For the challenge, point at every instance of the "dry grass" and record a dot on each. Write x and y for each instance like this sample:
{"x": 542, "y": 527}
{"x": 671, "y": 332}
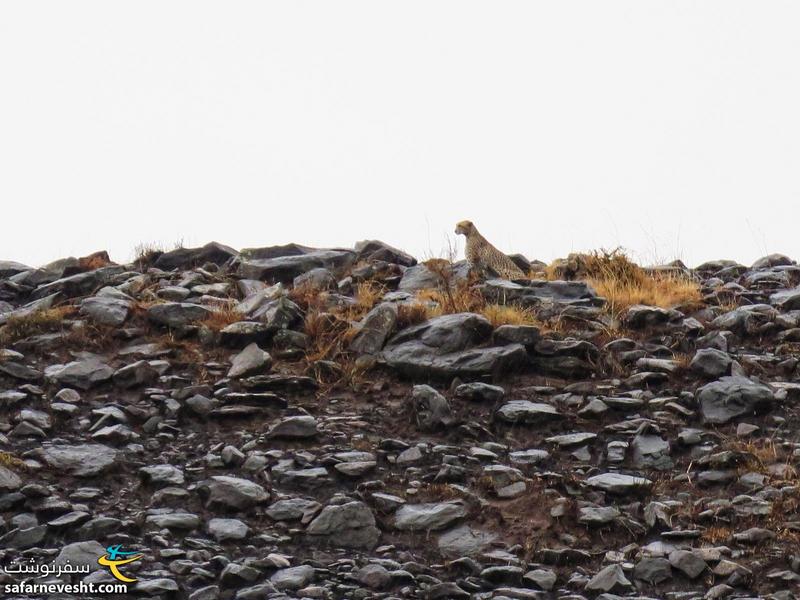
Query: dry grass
{"x": 43, "y": 321}
{"x": 717, "y": 535}
{"x": 221, "y": 318}
{"x": 146, "y": 253}
{"x": 12, "y": 462}
{"x": 623, "y": 283}
{"x": 507, "y": 314}
{"x": 412, "y": 314}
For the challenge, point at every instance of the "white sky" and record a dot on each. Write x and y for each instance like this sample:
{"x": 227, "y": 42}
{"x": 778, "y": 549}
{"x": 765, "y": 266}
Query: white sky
{"x": 669, "y": 128}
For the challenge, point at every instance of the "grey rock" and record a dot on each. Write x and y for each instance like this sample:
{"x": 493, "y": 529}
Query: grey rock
{"x": 651, "y": 452}
{"x": 431, "y": 408}
{"x": 301, "y": 426}
{"x": 374, "y": 329}
{"x": 349, "y": 525}
{"x": 524, "y": 411}
{"x": 292, "y": 578}
{"x": 178, "y": 314}
{"x": 319, "y": 278}
{"x": 81, "y": 460}
{"x": 464, "y": 541}
{"x": 607, "y": 579}
{"x": 223, "y": 492}
{"x": 173, "y": 520}
{"x": 711, "y": 363}
{"x": 80, "y": 554}
{"x": 224, "y": 530}
{"x": 689, "y": 563}
{"x": 250, "y": 361}
{"x": 164, "y": 474}
{"x": 618, "y": 483}
{"x": 375, "y": 577}
{"x": 481, "y": 392}
{"x": 415, "y": 359}
{"x": 653, "y": 570}
{"x": 106, "y": 311}
{"x": 82, "y": 374}
{"x": 183, "y": 258}
{"x": 731, "y": 397}
{"x": 286, "y": 268}
{"x": 428, "y": 516}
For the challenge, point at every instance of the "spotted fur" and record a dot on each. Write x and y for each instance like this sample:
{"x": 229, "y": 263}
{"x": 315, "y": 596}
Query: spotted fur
{"x": 482, "y": 255}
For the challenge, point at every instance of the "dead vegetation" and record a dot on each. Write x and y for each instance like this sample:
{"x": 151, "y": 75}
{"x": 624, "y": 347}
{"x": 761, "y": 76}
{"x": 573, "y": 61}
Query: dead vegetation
{"x": 10, "y": 461}
{"x": 50, "y": 320}
{"x": 623, "y": 283}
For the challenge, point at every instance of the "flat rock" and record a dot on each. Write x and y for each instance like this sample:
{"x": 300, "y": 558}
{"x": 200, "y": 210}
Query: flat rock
{"x": 428, "y": 516}
{"x": 81, "y": 460}
{"x": 731, "y": 397}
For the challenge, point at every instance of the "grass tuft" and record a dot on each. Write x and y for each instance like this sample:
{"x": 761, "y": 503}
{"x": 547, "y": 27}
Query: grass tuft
{"x": 623, "y": 283}
{"x": 35, "y": 323}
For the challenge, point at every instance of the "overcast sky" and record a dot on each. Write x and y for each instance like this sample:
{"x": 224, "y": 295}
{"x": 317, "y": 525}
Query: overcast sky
{"x": 669, "y": 128}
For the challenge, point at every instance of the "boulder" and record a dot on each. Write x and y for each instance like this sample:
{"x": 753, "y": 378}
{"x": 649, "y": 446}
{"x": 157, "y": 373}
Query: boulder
{"x": 731, "y": 397}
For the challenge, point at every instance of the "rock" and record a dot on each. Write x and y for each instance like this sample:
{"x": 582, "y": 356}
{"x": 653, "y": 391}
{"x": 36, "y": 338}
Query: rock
{"x": 448, "y": 333}
{"x": 374, "y": 329}
{"x": 135, "y": 375}
{"x": 250, "y": 361}
{"x": 523, "y": 411}
{"x": 535, "y": 292}
{"x": 431, "y": 408}
{"x": 301, "y": 426}
{"x": 607, "y": 579}
{"x": 544, "y": 579}
{"x": 375, "y": 250}
{"x": 618, "y": 483}
{"x": 286, "y": 268}
{"x": 184, "y": 258}
{"x": 771, "y": 260}
{"x": 464, "y": 541}
{"x": 786, "y": 299}
{"x": 292, "y": 509}
{"x": 82, "y": 374}
{"x": 161, "y": 475}
{"x": 642, "y": 317}
{"x": 242, "y": 333}
{"x": 81, "y": 460}
{"x": 349, "y": 525}
{"x": 9, "y": 481}
{"x": 653, "y": 570}
{"x": 81, "y": 554}
{"x": 527, "y": 335}
{"x": 178, "y": 314}
{"x": 651, "y": 452}
{"x": 9, "y": 268}
{"x": 689, "y": 563}
{"x": 224, "y": 530}
{"x": 711, "y": 363}
{"x": 292, "y": 578}
{"x": 174, "y": 520}
{"x": 428, "y": 517}
{"x": 106, "y": 311}
{"x": 222, "y": 492}
{"x": 319, "y": 279}
{"x": 418, "y": 277}
{"x": 375, "y": 577}
{"x": 480, "y": 392}
{"x": 418, "y": 360}
{"x": 597, "y": 515}
{"x": 731, "y": 397}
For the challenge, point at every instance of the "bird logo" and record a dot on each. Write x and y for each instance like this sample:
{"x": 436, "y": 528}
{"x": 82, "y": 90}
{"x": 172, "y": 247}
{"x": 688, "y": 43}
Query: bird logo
{"x": 115, "y": 557}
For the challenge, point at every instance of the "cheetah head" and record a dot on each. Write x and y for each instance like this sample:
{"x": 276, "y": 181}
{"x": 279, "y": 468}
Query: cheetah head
{"x": 465, "y": 227}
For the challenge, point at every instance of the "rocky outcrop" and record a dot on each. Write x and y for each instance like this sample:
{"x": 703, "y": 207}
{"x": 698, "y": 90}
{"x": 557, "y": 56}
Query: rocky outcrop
{"x": 294, "y": 422}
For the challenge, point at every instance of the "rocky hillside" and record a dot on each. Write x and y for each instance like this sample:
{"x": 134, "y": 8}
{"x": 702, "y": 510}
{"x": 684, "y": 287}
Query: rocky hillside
{"x": 290, "y": 422}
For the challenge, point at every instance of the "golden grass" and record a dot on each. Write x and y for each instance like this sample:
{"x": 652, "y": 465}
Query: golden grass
{"x": 221, "y": 318}
{"x": 413, "y": 314}
{"x": 507, "y": 314}
{"x": 42, "y": 321}
{"x": 623, "y": 283}
{"x": 12, "y": 462}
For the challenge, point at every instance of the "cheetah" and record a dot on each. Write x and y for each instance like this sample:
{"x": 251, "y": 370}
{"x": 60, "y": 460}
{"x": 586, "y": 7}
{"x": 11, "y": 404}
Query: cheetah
{"x": 483, "y": 256}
